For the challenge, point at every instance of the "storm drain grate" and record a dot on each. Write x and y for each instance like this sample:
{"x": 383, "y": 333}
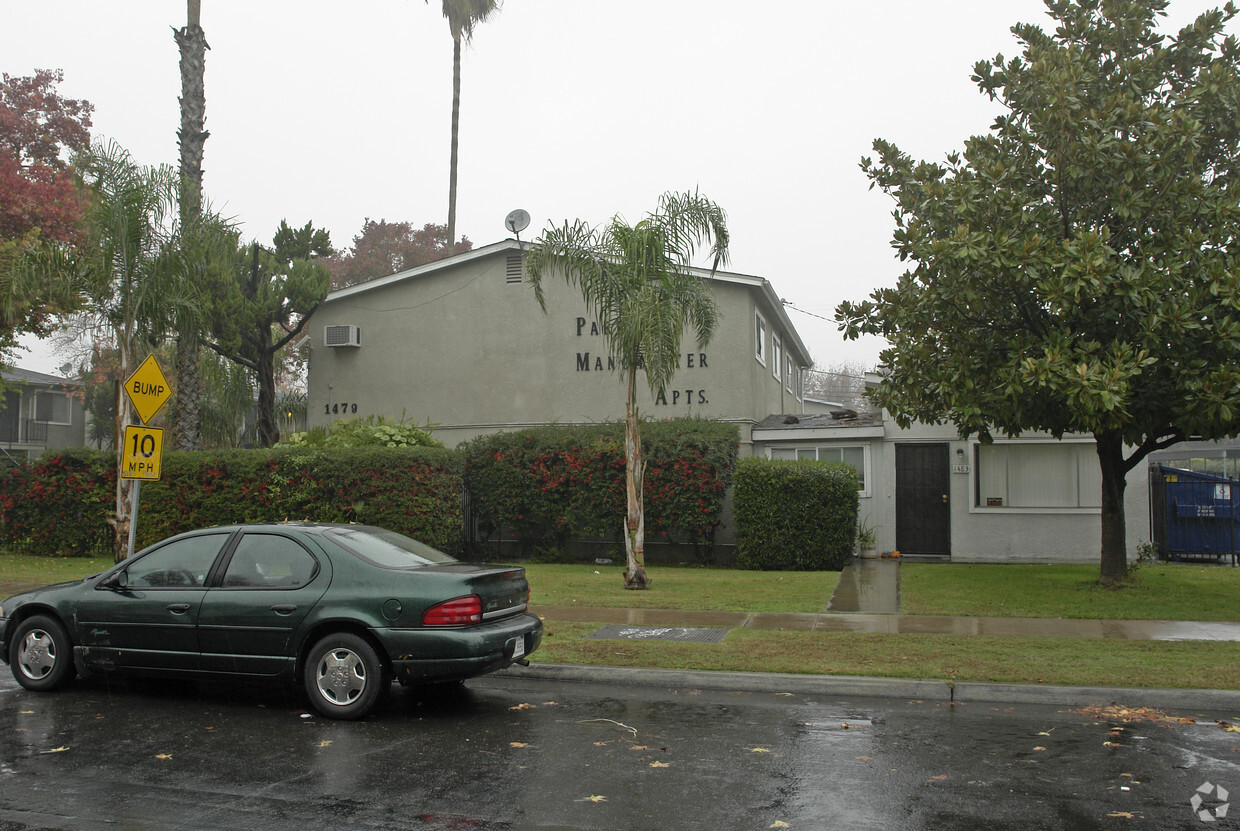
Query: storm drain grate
{"x": 661, "y": 633}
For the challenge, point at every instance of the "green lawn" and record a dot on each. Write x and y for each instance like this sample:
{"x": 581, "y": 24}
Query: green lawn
{"x": 1073, "y": 661}
{"x": 697, "y": 589}
{"x": 21, "y": 568}
{"x": 1174, "y": 591}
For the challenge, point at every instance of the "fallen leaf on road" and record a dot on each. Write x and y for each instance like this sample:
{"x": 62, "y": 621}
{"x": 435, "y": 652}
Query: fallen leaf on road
{"x": 517, "y": 744}
{"x": 325, "y": 743}
{"x": 779, "y": 823}
{"x": 57, "y": 749}
{"x": 941, "y": 777}
{"x": 1039, "y": 748}
{"x": 522, "y": 707}
{"x": 1111, "y": 744}
{"x": 163, "y": 755}
{"x": 660, "y": 765}
{"x": 760, "y": 750}
{"x": 1122, "y": 814}
{"x": 593, "y": 798}
{"x": 1128, "y": 714}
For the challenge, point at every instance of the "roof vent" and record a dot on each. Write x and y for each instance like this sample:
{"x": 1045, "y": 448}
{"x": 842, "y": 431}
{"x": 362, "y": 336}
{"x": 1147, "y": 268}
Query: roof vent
{"x": 342, "y": 336}
{"x": 515, "y": 269}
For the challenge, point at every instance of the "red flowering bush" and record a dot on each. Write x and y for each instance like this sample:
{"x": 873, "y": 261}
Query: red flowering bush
{"x": 60, "y": 504}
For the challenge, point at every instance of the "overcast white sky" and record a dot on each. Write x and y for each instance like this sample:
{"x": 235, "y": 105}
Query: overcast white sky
{"x": 329, "y": 112}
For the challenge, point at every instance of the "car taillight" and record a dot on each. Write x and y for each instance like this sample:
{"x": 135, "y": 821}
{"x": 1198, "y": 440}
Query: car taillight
{"x": 456, "y": 612}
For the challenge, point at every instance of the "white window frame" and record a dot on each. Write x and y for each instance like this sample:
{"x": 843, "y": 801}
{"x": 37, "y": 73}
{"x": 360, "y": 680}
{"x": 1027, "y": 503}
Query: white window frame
{"x": 816, "y": 448}
{"x": 777, "y": 357}
{"x": 760, "y": 338}
{"x": 789, "y": 384}
{"x": 1085, "y": 455}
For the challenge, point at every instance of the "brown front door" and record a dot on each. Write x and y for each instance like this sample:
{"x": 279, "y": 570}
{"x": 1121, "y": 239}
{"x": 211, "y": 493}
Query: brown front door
{"x": 923, "y": 509}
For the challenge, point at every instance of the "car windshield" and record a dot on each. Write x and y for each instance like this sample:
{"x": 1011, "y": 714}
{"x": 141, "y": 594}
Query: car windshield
{"x": 387, "y": 549}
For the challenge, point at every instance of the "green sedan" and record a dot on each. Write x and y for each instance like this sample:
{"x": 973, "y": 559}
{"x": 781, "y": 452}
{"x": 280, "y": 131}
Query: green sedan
{"x": 341, "y": 609}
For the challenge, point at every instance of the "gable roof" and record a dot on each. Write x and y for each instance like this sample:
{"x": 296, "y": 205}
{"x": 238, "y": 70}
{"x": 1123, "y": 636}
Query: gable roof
{"x": 29, "y": 376}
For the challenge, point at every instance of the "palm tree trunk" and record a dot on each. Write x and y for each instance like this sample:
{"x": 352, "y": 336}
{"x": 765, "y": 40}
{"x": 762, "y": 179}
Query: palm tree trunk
{"x": 456, "y": 124}
{"x": 124, "y": 487}
{"x": 635, "y": 576}
{"x": 192, "y": 43}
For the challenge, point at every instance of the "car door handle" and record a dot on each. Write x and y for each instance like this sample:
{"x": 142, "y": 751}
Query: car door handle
{"x": 284, "y": 608}
{"x": 178, "y": 608}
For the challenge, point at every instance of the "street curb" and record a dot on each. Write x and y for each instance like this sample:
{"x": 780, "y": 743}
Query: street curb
{"x": 869, "y": 687}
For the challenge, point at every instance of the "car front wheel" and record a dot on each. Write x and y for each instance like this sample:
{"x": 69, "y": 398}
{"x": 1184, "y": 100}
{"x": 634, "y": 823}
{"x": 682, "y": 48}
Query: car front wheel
{"x": 42, "y": 654}
{"x": 344, "y": 676}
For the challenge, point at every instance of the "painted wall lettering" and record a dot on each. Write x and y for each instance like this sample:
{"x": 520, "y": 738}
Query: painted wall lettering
{"x": 585, "y": 364}
{"x": 685, "y": 397}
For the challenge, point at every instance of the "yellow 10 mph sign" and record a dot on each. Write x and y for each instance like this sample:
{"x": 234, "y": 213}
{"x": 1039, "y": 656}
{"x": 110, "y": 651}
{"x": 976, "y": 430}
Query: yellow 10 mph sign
{"x": 142, "y": 452}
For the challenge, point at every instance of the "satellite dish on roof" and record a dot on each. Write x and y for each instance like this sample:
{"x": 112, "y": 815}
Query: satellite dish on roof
{"x": 517, "y": 221}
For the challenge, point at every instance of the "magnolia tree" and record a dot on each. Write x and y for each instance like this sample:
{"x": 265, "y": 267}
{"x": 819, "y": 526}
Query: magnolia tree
{"x": 1075, "y": 268}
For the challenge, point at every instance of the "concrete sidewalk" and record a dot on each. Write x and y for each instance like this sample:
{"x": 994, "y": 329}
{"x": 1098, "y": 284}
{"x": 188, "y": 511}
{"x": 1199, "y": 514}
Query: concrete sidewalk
{"x": 1137, "y": 630}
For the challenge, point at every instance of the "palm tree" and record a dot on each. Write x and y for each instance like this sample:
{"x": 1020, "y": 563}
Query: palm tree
{"x": 192, "y": 43}
{"x": 638, "y": 284}
{"x": 129, "y": 269}
{"x": 463, "y": 16}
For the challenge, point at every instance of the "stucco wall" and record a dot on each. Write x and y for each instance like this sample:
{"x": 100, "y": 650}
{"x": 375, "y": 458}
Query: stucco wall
{"x": 981, "y": 534}
{"x": 460, "y": 346}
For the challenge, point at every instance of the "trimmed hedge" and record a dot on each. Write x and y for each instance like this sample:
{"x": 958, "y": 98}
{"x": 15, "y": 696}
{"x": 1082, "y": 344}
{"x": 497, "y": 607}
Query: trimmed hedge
{"x": 60, "y": 504}
{"x": 548, "y": 485}
{"x": 794, "y": 515}
{"x": 545, "y": 486}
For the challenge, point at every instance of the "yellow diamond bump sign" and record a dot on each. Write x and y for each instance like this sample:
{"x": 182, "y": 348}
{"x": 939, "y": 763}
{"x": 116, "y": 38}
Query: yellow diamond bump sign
{"x": 148, "y": 389}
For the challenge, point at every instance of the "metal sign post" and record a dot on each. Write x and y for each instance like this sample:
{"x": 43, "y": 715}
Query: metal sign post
{"x": 143, "y": 447}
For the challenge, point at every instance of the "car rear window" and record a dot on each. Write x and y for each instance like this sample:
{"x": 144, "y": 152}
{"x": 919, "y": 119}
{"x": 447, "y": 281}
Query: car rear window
{"x": 387, "y": 549}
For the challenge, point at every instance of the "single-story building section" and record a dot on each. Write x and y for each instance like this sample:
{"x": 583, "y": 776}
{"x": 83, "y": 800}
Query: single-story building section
{"x": 933, "y": 495}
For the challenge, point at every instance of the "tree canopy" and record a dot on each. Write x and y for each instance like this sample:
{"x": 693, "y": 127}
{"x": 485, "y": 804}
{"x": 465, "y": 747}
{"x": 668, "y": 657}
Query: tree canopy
{"x": 1074, "y": 270}
{"x": 266, "y": 305}
{"x": 384, "y": 248}
{"x": 41, "y": 204}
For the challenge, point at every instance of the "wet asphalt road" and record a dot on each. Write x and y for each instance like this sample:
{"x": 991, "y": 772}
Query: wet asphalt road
{"x": 509, "y": 753}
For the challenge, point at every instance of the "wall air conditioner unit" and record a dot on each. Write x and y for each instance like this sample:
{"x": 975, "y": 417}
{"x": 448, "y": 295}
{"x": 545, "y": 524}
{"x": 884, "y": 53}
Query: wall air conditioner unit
{"x": 342, "y": 336}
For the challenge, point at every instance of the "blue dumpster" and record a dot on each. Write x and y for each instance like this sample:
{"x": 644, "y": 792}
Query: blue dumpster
{"x": 1200, "y": 514}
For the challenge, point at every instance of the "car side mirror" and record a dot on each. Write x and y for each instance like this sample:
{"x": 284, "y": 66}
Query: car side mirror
{"x": 118, "y": 581}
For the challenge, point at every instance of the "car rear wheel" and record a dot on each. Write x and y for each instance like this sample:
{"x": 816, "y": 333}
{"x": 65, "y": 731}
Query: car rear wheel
{"x": 41, "y": 654}
{"x": 344, "y": 676}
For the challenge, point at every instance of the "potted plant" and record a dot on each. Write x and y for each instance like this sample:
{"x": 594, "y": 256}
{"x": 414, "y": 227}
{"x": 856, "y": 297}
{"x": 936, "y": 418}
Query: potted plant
{"x": 867, "y": 540}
